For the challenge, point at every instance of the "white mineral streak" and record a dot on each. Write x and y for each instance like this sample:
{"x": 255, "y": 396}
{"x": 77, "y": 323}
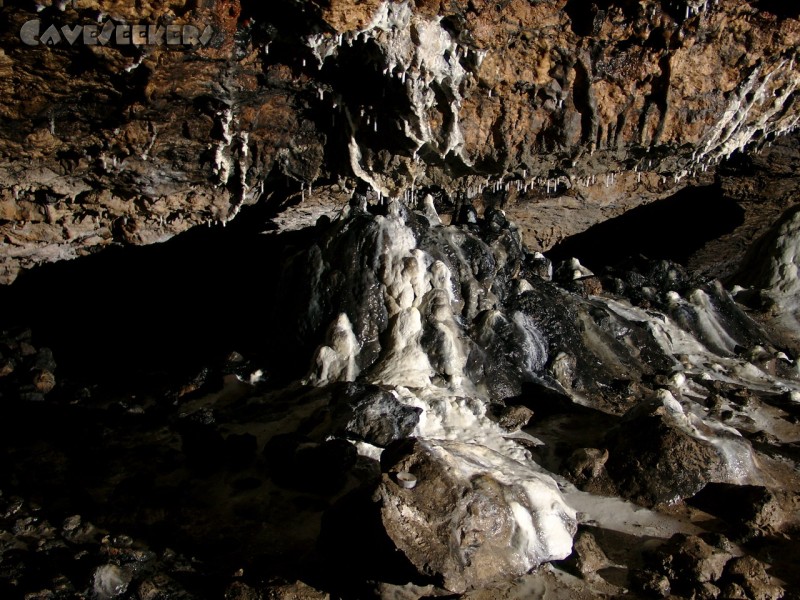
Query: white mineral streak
{"x": 336, "y": 361}
{"x": 736, "y": 453}
{"x": 224, "y": 162}
{"x": 543, "y": 519}
{"x": 711, "y": 364}
{"x": 578, "y": 270}
{"x": 713, "y": 331}
{"x": 783, "y": 275}
{"x": 534, "y": 345}
{"x": 322, "y": 46}
{"x": 740, "y": 124}
{"x": 425, "y": 58}
{"x": 244, "y": 190}
{"x": 405, "y": 360}
{"x": 355, "y": 162}
{"x": 430, "y": 210}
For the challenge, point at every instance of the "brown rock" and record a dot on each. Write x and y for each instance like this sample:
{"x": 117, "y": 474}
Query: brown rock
{"x": 294, "y": 591}
{"x": 750, "y": 574}
{"x": 585, "y": 464}
{"x": 652, "y": 460}
{"x": 7, "y": 367}
{"x": 753, "y": 511}
{"x": 706, "y": 591}
{"x": 587, "y": 556}
{"x": 513, "y": 418}
{"x": 148, "y": 143}
{"x": 652, "y": 585}
{"x": 241, "y": 591}
{"x": 346, "y": 15}
{"x": 688, "y": 561}
{"x": 44, "y": 381}
{"x": 734, "y": 591}
{"x": 461, "y": 522}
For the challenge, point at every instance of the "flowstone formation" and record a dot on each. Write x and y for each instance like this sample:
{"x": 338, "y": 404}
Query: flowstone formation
{"x": 439, "y": 411}
{"x": 591, "y": 110}
{"x": 409, "y": 295}
{"x": 465, "y": 326}
{"x": 413, "y": 364}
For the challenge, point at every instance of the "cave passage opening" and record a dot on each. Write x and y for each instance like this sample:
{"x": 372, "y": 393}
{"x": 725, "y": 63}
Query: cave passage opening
{"x": 673, "y": 229}
{"x": 134, "y": 312}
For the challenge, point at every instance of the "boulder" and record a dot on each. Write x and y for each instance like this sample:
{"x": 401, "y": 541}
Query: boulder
{"x": 587, "y": 556}
{"x": 473, "y": 516}
{"x": 748, "y": 574}
{"x": 752, "y": 510}
{"x": 294, "y": 591}
{"x": 688, "y": 561}
{"x": 371, "y": 414}
{"x": 661, "y": 453}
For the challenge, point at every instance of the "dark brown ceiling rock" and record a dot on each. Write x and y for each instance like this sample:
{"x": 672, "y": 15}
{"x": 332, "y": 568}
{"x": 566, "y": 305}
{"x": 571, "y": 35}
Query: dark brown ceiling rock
{"x": 600, "y": 106}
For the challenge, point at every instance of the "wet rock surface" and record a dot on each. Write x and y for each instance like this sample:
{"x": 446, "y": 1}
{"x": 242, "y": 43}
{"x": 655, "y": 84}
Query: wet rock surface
{"x": 637, "y": 452}
{"x": 436, "y": 412}
{"x": 472, "y": 517}
{"x": 689, "y": 560}
{"x": 370, "y": 414}
{"x": 587, "y": 556}
{"x": 394, "y": 394}
{"x": 748, "y": 574}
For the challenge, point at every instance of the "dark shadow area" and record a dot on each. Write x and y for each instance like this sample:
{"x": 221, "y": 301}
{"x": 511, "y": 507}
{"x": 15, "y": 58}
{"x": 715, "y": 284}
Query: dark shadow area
{"x": 673, "y": 229}
{"x": 166, "y": 308}
{"x": 587, "y": 16}
{"x": 779, "y": 8}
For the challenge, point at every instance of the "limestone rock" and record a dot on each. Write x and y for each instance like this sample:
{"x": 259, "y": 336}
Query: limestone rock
{"x": 652, "y": 585}
{"x": 514, "y": 418}
{"x": 658, "y": 454}
{"x": 149, "y": 141}
{"x": 753, "y": 511}
{"x": 689, "y": 561}
{"x": 294, "y": 591}
{"x": 585, "y": 464}
{"x": 587, "y": 556}
{"x": 371, "y": 414}
{"x": 474, "y": 516}
{"x": 749, "y": 574}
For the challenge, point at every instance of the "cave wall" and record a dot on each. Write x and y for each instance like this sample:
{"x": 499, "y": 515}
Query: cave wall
{"x": 540, "y": 106}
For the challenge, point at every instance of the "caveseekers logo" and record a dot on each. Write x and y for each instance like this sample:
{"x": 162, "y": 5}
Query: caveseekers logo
{"x": 34, "y": 33}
